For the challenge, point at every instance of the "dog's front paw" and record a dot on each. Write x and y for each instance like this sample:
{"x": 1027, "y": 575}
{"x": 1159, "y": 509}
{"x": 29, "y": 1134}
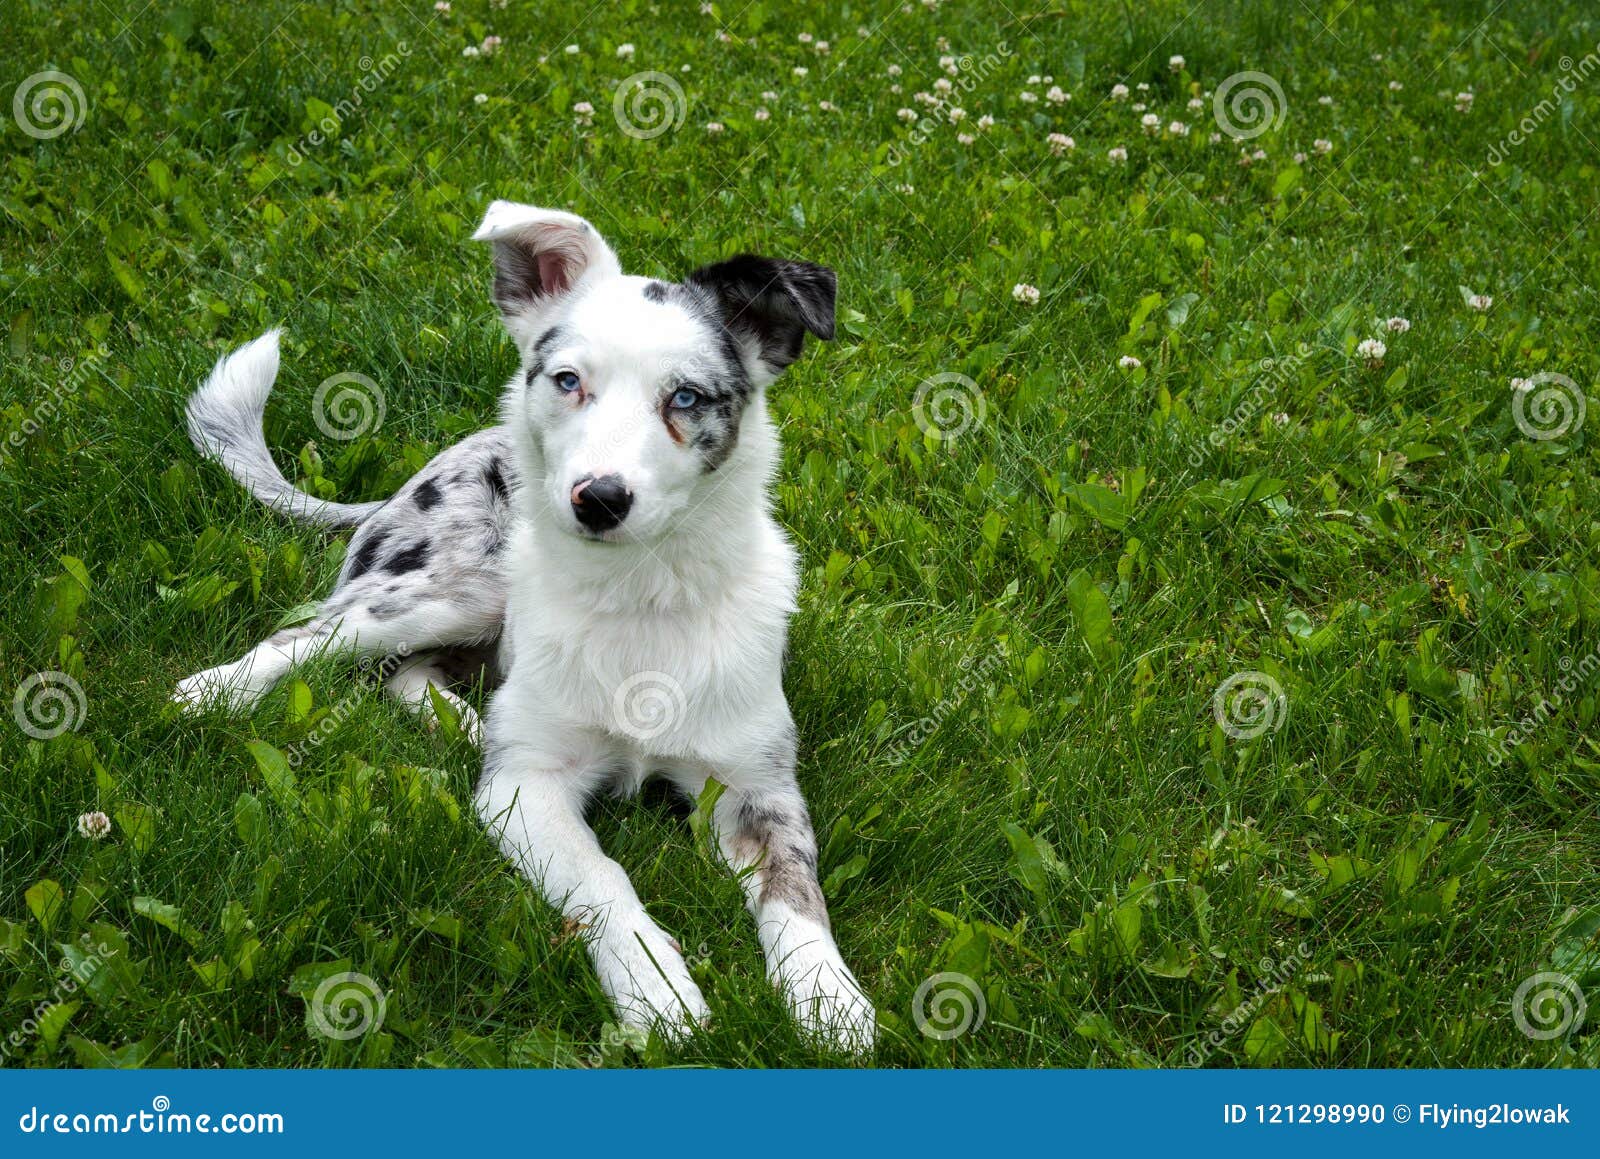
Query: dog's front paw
{"x": 826, "y": 999}
{"x": 206, "y": 690}
{"x": 645, "y": 976}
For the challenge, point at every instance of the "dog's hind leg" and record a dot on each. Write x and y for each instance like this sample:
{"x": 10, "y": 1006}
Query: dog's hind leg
{"x": 345, "y": 626}
{"x": 409, "y": 685}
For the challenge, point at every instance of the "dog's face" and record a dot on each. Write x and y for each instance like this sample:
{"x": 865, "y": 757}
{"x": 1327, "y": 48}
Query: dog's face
{"x": 634, "y": 394}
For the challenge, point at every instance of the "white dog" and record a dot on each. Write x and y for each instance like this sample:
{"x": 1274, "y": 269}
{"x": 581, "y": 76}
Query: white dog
{"x": 608, "y": 551}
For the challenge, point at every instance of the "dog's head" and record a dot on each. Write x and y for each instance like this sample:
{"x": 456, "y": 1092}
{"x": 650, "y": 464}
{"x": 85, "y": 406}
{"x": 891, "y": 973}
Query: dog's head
{"x": 635, "y": 393}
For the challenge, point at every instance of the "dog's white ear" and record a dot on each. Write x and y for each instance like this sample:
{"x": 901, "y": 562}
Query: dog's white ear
{"x": 770, "y": 305}
{"x": 540, "y": 256}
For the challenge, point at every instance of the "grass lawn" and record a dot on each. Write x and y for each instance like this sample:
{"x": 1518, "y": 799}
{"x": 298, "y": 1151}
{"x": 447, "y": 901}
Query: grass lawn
{"x": 1182, "y": 678}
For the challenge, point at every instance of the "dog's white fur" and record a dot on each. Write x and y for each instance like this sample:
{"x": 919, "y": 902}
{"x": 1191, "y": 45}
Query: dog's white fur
{"x": 653, "y": 647}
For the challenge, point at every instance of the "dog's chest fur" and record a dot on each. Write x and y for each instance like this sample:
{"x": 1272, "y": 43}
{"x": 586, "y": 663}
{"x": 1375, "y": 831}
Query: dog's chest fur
{"x": 666, "y": 656}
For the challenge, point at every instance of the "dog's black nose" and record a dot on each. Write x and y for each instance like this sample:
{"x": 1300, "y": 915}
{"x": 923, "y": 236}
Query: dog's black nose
{"x": 600, "y": 504}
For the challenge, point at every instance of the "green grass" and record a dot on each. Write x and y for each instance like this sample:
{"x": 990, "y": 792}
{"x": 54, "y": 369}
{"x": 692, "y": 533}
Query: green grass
{"x": 1068, "y": 826}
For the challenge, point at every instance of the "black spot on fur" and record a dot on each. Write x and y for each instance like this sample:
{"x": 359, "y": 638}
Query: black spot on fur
{"x": 427, "y": 495}
{"x": 496, "y": 479}
{"x": 367, "y": 554}
{"x": 657, "y": 291}
{"x": 409, "y": 558}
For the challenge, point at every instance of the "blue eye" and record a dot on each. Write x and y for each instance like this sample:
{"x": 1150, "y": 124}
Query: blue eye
{"x": 567, "y": 382}
{"x": 686, "y": 399}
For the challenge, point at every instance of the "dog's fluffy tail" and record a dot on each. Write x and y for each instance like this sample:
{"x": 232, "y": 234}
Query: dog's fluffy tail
{"x": 225, "y": 426}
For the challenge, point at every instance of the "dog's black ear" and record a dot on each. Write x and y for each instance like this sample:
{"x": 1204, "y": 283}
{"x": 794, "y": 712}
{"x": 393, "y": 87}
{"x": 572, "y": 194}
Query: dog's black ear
{"x": 770, "y": 304}
{"x": 539, "y": 256}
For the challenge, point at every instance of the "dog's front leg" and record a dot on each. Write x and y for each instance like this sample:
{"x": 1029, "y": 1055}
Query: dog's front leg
{"x": 534, "y": 805}
{"x": 765, "y": 834}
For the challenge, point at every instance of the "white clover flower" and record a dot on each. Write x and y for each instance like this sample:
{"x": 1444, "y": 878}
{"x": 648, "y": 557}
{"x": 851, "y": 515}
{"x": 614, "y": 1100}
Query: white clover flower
{"x": 1117, "y": 155}
{"x": 625, "y": 52}
{"x": 1299, "y": 158}
{"x": 706, "y": 10}
{"x": 1324, "y": 99}
{"x": 863, "y": 31}
{"x": 769, "y": 96}
{"x": 1119, "y": 92}
{"x": 1026, "y": 294}
{"x": 1035, "y": 79}
{"x": 1397, "y": 325}
{"x": 1138, "y": 106}
{"x": 821, "y": 48}
{"x": 1151, "y": 123}
{"x": 957, "y": 114}
{"x": 965, "y": 138}
{"x": 826, "y": 106}
{"x": 480, "y": 98}
{"x": 714, "y": 127}
{"x": 761, "y": 114}
{"x": 471, "y": 50}
{"x": 584, "y": 111}
{"x": 1196, "y": 104}
{"x": 1057, "y": 96}
{"x": 805, "y": 38}
{"x": 1281, "y": 419}
{"x": 1175, "y": 62}
{"x": 1178, "y": 129}
{"x": 723, "y": 37}
{"x": 1322, "y": 145}
{"x": 1372, "y": 349}
{"x": 1395, "y": 86}
{"x": 985, "y": 122}
{"x": 906, "y": 189}
{"x": 94, "y": 826}
{"x": 1259, "y": 155}
{"x": 1480, "y": 302}
{"x": 947, "y": 61}
{"x": 1464, "y": 102}
{"x": 1521, "y": 385}
{"x": 1129, "y": 362}
{"x": 1143, "y": 86}
{"x": 924, "y": 98}
{"x": 490, "y": 43}
{"x": 442, "y": 6}
{"x": 572, "y": 49}
{"x": 801, "y": 71}
{"x": 1026, "y": 97}
{"x": 1215, "y": 138}
{"x": 942, "y": 85}
{"x": 895, "y": 89}
{"x": 1060, "y": 143}
{"x": 894, "y": 70}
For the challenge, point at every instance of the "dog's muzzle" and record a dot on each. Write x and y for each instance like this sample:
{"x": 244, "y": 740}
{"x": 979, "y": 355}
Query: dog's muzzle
{"x": 601, "y": 504}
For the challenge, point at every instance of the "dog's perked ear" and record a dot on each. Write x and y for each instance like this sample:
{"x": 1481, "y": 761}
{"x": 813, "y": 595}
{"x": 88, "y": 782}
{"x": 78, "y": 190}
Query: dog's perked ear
{"x": 540, "y": 256}
{"x": 770, "y": 305}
